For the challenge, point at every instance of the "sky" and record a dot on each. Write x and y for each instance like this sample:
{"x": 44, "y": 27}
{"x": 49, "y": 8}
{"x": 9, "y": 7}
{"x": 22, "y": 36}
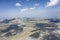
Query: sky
{"x": 29, "y": 8}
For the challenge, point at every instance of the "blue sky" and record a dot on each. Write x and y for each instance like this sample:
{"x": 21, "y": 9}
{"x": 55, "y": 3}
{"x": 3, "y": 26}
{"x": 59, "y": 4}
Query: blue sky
{"x": 29, "y": 8}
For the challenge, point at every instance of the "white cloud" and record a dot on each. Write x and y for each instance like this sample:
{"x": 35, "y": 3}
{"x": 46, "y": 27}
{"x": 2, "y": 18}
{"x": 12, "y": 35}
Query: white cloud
{"x": 23, "y": 10}
{"x": 18, "y": 4}
{"x": 52, "y": 3}
{"x": 37, "y": 4}
{"x": 32, "y": 8}
{"x": 27, "y": 9}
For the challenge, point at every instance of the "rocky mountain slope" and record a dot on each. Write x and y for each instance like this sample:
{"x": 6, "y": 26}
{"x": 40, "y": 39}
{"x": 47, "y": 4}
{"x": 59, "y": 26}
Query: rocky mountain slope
{"x": 21, "y": 29}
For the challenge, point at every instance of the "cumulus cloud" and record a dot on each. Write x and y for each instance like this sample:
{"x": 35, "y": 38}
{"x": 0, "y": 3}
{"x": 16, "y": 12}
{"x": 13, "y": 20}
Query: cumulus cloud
{"x": 32, "y": 8}
{"x": 37, "y": 4}
{"x": 52, "y": 3}
{"x": 23, "y": 10}
{"x": 18, "y": 4}
{"x": 27, "y": 9}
